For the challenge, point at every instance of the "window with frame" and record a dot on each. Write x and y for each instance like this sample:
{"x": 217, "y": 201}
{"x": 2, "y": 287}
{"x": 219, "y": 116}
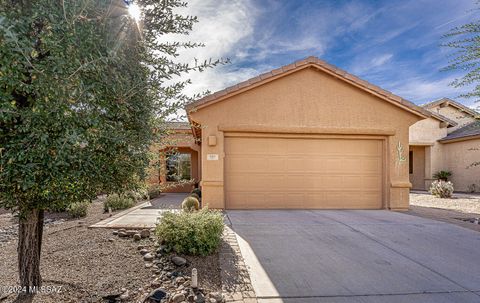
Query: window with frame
{"x": 410, "y": 162}
{"x": 179, "y": 167}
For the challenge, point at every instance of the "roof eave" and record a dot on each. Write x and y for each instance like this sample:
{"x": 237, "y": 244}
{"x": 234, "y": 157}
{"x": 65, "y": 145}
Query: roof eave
{"x": 299, "y": 65}
{"x": 458, "y": 139}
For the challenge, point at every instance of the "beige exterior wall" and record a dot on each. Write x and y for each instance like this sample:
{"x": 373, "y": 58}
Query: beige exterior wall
{"x": 425, "y": 134}
{"x": 454, "y": 114}
{"x": 307, "y": 102}
{"x": 459, "y": 155}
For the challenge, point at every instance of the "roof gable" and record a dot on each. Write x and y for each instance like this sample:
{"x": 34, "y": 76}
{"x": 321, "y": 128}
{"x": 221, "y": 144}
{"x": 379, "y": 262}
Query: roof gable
{"x": 449, "y": 102}
{"x": 310, "y": 62}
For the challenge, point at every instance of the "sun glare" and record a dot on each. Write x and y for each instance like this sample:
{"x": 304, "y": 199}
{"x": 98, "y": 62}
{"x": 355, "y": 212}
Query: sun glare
{"x": 134, "y": 11}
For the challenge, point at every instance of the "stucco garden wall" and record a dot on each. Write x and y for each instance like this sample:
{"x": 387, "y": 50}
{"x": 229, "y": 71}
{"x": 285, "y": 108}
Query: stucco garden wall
{"x": 459, "y": 156}
{"x": 311, "y": 101}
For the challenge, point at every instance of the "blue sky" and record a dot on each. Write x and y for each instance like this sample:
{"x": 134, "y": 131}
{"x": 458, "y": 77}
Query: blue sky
{"x": 393, "y": 44}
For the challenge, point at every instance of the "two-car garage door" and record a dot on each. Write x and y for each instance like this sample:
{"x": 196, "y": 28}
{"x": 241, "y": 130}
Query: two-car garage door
{"x": 279, "y": 172}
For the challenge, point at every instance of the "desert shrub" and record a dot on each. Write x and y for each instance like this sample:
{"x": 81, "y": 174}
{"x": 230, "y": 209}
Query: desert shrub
{"x": 195, "y": 196}
{"x": 197, "y": 191}
{"x": 154, "y": 192}
{"x": 116, "y": 202}
{"x": 143, "y": 192}
{"x": 194, "y": 233}
{"x": 78, "y": 209}
{"x": 442, "y": 175}
{"x": 134, "y": 195}
{"x": 441, "y": 189}
{"x": 190, "y": 204}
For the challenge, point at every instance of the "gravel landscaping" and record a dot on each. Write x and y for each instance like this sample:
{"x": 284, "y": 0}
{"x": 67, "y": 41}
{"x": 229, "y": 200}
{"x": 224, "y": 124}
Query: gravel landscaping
{"x": 97, "y": 265}
{"x": 465, "y": 203}
{"x": 462, "y": 209}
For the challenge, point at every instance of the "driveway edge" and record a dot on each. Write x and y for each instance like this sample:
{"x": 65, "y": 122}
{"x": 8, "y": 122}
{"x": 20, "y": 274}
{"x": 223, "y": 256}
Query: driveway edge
{"x": 236, "y": 283}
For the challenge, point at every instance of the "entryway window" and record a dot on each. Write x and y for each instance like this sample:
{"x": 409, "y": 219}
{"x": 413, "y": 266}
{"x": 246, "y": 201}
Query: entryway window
{"x": 179, "y": 167}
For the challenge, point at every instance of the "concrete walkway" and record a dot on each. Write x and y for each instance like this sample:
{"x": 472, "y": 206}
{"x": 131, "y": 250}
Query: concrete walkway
{"x": 144, "y": 215}
{"x": 357, "y": 256}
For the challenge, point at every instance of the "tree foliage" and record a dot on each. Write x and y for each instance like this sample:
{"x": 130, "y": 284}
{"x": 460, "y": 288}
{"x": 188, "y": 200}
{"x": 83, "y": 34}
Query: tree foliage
{"x": 465, "y": 40}
{"x": 84, "y": 89}
{"x": 82, "y": 86}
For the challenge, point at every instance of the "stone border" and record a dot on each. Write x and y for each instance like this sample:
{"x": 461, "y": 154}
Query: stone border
{"x": 236, "y": 284}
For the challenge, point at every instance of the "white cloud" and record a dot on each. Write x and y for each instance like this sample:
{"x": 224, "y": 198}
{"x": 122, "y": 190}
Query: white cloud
{"x": 420, "y": 90}
{"x": 222, "y": 26}
{"x": 381, "y": 60}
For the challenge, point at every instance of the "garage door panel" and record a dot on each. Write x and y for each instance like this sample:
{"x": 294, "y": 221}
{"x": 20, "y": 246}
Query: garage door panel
{"x": 303, "y": 173}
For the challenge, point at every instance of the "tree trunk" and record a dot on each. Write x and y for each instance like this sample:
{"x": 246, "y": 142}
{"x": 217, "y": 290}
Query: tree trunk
{"x": 29, "y": 247}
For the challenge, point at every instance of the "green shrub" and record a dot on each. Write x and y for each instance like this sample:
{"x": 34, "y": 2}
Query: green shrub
{"x": 442, "y": 175}
{"x": 190, "y": 203}
{"x": 194, "y": 233}
{"x": 134, "y": 195}
{"x": 116, "y": 202}
{"x": 195, "y": 196}
{"x": 441, "y": 189}
{"x": 197, "y": 191}
{"x": 78, "y": 209}
{"x": 154, "y": 192}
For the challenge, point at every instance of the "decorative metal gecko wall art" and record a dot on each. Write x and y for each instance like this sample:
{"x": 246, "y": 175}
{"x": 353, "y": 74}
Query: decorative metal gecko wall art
{"x": 401, "y": 157}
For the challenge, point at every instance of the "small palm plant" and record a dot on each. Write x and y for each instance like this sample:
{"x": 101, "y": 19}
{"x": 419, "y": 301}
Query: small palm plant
{"x": 442, "y": 175}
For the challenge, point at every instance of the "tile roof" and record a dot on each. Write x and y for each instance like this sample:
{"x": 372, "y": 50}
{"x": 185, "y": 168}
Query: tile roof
{"x": 443, "y": 118}
{"x": 310, "y": 61}
{"x": 469, "y": 130}
{"x": 177, "y": 125}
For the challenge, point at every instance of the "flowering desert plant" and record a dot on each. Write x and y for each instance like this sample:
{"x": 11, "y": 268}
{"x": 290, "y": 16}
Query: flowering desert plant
{"x": 441, "y": 189}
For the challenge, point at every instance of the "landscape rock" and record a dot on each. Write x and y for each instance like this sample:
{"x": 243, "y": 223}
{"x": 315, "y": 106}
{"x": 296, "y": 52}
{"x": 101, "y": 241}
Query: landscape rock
{"x": 115, "y": 232}
{"x": 125, "y": 296}
{"x": 140, "y": 247}
{"x": 157, "y": 295}
{"x": 143, "y": 251}
{"x": 148, "y": 257}
{"x": 137, "y": 237}
{"x": 130, "y": 233}
{"x": 199, "y": 298}
{"x": 179, "y": 261}
{"x": 180, "y": 280}
{"x": 111, "y": 240}
{"x": 178, "y": 298}
{"x": 122, "y": 234}
{"x": 148, "y": 265}
{"x": 217, "y": 296}
{"x": 145, "y": 233}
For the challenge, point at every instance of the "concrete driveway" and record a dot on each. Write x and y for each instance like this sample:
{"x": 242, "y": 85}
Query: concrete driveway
{"x": 357, "y": 256}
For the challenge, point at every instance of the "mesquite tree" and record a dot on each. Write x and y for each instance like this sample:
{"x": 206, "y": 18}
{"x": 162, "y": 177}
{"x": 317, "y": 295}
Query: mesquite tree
{"x": 83, "y": 88}
{"x": 465, "y": 40}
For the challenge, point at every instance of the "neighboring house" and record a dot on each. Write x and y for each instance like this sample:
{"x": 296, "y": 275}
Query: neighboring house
{"x": 306, "y": 135}
{"x": 448, "y": 140}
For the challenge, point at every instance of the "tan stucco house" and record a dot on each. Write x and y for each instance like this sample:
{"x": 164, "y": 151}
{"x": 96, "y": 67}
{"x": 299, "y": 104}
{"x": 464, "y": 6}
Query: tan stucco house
{"x": 448, "y": 140}
{"x": 306, "y": 135}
